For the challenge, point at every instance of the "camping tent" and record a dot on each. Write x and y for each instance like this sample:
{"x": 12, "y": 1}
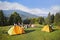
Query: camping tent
{"x": 47, "y": 28}
{"x": 16, "y": 30}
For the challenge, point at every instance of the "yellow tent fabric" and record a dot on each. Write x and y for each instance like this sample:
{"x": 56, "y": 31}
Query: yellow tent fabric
{"x": 16, "y": 30}
{"x": 47, "y": 28}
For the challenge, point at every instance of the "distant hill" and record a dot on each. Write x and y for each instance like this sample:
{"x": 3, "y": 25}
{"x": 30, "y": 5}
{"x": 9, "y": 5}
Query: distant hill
{"x": 23, "y": 14}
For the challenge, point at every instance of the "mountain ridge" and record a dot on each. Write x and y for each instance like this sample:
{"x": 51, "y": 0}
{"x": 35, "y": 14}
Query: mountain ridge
{"x": 23, "y": 14}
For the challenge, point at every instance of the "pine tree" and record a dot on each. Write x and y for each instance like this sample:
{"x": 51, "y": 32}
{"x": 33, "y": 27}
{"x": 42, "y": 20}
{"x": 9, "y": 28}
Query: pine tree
{"x": 52, "y": 18}
{"x": 15, "y": 18}
{"x": 57, "y": 19}
{"x": 2, "y": 18}
{"x": 49, "y": 19}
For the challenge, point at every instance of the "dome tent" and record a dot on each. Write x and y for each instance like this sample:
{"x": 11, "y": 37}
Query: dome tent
{"x": 47, "y": 28}
{"x": 16, "y": 30}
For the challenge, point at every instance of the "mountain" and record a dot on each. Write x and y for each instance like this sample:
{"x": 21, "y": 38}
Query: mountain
{"x": 23, "y": 14}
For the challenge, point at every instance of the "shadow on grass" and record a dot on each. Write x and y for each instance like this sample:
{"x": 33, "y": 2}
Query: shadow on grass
{"x": 28, "y": 31}
{"x": 55, "y": 29}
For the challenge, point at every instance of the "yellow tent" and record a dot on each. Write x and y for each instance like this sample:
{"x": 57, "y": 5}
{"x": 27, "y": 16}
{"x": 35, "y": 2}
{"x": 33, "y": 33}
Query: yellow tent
{"x": 47, "y": 28}
{"x": 16, "y": 30}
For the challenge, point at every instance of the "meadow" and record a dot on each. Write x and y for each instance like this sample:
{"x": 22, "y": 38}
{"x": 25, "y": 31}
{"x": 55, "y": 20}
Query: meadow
{"x": 31, "y": 34}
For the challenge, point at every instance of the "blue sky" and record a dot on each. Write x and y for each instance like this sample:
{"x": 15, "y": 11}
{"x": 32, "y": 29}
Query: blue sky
{"x": 36, "y": 3}
{"x": 36, "y": 7}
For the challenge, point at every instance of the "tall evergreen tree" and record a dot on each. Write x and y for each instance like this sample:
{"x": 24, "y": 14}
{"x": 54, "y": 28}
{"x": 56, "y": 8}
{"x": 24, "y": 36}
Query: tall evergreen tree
{"x": 57, "y": 19}
{"x": 52, "y": 18}
{"x": 2, "y": 18}
{"x": 15, "y": 18}
{"x": 49, "y": 19}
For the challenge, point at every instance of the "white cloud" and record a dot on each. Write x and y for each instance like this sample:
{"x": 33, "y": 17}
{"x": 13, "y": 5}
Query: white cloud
{"x": 12, "y": 6}
{"x": 55, "y": 9}
{"x": 37, "y": 11}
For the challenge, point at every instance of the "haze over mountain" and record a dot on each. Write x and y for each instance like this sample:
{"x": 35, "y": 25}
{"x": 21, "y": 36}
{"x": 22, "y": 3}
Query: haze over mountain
{"x": 23, "y": 14}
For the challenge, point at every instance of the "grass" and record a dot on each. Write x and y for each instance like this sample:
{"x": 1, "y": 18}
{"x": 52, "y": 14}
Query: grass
{"x": 31, "y": 34}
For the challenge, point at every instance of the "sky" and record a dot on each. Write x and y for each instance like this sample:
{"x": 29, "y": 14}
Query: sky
{"x": 36, "y": 7}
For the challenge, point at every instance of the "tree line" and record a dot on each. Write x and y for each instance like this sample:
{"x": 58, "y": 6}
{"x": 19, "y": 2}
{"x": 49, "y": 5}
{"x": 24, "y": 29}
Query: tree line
{"x": 16, "y": 18}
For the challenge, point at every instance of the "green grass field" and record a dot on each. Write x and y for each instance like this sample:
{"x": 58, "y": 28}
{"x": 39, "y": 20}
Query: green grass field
{"x": 31, "y": 34}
